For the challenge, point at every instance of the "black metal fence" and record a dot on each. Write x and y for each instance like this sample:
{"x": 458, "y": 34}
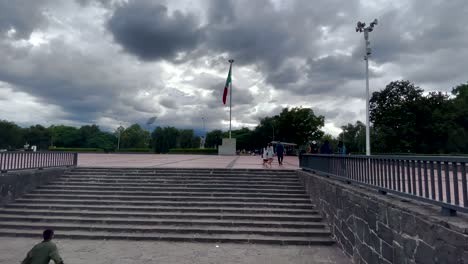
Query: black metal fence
{"x": 30, "y": 160}
{"x": 437, "y": 180}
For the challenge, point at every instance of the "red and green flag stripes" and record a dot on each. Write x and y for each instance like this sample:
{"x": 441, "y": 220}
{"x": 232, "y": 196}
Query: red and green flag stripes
{"x": 228, "y": 81}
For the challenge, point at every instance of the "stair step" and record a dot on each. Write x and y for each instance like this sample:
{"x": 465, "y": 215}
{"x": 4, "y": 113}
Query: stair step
{"x": 167, "y": 198}
{"x": 169, "y": 189}
{"x": 180, "y": 185}
{"x": 205, "y": 178}
{"x": 161, "y": 221}
{"x": 316, "y": 232}
{"x": 272, "y": 217}
{"x": 257, "y": 239}
{"x": 177, "y": 181}
{"x": 56, "y": 206}
{"x": 187, "y": 170}
{"x": 46, "y": 190}
{"x": 165, "y": 203}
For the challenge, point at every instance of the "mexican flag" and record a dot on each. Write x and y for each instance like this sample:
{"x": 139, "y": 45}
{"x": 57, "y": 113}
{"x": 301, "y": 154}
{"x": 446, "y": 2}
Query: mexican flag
{"x": 228, "y": 81}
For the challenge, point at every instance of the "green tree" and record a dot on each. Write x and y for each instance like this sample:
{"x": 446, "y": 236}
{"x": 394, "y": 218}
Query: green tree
{"x": 64, "y": 136}
{"x": 11, "y": 135}
{"x": 394, "y": 113}
{"x": 164, "y": 139}
{"x": 186, "y": 139}
{"x": 134, "y": 137}
{"x": 102, "y": 140}
{"x": 88, "y": 132}
{"x": 457, "y": 139}
{"x": 214, "y": 138}
{"x": 354, "y": 137}
{"x": 39, "y": 136}
{"x": 299, "y": 125}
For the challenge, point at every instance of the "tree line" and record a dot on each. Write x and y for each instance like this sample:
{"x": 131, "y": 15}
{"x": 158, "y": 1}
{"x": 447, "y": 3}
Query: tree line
{"x": 13, "y": 137}
{"x": 405, "y": 119}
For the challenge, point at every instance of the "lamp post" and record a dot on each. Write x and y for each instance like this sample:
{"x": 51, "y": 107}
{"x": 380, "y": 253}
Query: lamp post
{"x": 361, "y": 27}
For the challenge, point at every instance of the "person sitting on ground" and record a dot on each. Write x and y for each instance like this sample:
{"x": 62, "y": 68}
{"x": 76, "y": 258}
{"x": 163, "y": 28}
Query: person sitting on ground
{"x": 45, "y": 251}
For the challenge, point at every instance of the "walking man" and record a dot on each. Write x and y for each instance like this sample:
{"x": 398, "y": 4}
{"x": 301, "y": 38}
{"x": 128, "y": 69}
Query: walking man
{"x": 45, "y": 251}
{"x": 280, "y": 152}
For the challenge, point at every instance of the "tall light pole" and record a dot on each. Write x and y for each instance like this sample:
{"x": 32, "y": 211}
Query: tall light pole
{"x": 361, "y": 27}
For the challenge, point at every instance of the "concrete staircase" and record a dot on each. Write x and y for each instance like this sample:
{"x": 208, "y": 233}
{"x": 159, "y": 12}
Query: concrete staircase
{"x": 201, "y": 205}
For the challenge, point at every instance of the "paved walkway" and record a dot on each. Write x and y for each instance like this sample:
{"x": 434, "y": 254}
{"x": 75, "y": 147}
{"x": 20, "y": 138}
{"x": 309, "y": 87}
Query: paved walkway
{"x": 181, "y": 161}
{"x": 13, "y": 250}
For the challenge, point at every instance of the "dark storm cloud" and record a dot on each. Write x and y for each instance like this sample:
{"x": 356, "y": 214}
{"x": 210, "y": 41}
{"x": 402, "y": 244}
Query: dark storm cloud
{"x": 106, "y": 3}
{"x": 23, "y": 16}
{"x": 168, "y": 103}
{"x": 65, "y": 77}
{"x": 146, "y": 29}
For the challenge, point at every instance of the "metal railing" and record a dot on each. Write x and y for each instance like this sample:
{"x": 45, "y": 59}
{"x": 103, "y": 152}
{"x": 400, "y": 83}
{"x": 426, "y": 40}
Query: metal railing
{"x": 436, "y": 180}
{"x": 29, "y": 160}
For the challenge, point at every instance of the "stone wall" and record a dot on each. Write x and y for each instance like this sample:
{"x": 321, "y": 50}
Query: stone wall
{"x": 14, "y": 184}
{"x": 374, "y": 228}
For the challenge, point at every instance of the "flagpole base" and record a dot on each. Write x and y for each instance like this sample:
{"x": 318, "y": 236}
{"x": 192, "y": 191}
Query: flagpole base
{"x": 228, "y": 148}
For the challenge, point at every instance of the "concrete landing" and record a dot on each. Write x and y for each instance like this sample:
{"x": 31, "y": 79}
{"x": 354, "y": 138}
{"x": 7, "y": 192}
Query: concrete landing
{"x": 13, "y": 250}
{"x": 182, "y": 161}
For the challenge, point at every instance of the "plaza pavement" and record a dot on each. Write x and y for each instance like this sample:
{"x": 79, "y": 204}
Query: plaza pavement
{"x": 13, "y": 250}
{"x": 181, "y": 161}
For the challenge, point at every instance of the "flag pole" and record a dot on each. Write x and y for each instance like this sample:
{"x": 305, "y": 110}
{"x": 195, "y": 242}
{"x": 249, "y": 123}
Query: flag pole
{"x": 230, "y": 99}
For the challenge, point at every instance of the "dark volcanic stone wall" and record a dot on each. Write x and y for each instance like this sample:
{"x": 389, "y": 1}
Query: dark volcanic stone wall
{"x": 16, "y": 183}
{"x": 373, "y": 228}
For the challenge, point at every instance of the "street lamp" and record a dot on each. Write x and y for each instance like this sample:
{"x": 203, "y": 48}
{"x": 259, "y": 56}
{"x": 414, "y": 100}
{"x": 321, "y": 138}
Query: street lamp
{"x": 361, "y": 27}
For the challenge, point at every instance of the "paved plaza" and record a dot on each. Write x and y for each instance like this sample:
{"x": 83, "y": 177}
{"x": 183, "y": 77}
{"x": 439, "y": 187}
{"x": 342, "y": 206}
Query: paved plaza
{"x": 181, "y": 161}
{"x": 13, "y": 250}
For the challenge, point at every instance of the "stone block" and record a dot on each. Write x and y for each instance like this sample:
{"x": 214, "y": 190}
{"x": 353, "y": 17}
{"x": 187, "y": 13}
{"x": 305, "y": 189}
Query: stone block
{"x": 408, "y": 224}
{"x": 451, "y": 237}
{"x": 399, "y": 255}
{"x": 394, "y": 219}
{"x": 408, "y": 244}
{"x": 374, "y": 241}
{"x": 372, "y": 220}
{"x": 367, "y": 254}
{"x": 348, "y": 248}
{"x": 424, "y": 254}
{"x": 362, "y": 230}
{"x": 447, "y": 254}
{"x": 387, "y": 251}
{"x": 350, "y": 236}
{"x": 384, "y": 232}
{"x": 382, "y": 215}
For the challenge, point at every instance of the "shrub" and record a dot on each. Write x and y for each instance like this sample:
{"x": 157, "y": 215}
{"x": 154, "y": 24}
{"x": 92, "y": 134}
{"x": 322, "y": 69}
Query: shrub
{"x": 206, "y": 151}
{"x": 76, "y": 149}
{"x": 134, "y": 150}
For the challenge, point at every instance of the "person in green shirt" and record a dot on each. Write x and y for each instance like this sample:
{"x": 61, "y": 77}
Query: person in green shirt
{"x": 45, "y": 251}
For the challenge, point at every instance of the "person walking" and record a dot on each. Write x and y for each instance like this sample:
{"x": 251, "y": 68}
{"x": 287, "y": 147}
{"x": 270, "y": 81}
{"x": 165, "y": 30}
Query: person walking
{"x": 280, "y": 152}
{"x": 45, "y": 251}
{"x": 326, "y": 148}
{"x": 265, "y": 157}
{"x": 270, "y": 153}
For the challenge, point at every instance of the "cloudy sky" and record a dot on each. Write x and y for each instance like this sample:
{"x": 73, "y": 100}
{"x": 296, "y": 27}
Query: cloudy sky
{"x": 108, "y": 62}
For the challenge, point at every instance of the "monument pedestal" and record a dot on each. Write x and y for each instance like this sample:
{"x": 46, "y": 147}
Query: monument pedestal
{"x": 228, "y": 148}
